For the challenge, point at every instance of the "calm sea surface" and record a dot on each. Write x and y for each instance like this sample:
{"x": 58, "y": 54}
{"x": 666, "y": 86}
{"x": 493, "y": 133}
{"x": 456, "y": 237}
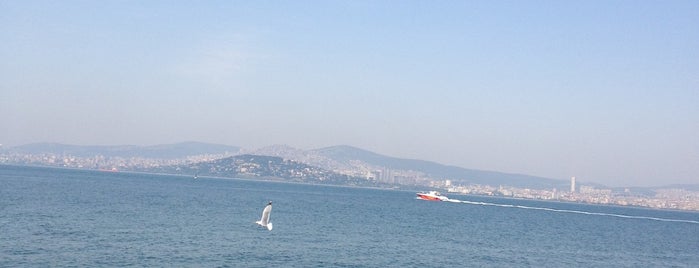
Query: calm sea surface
{"x": 60, "y": 217}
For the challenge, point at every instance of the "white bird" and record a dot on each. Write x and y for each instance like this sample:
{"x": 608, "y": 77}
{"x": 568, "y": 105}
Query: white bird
{"x": 265, "y": 220}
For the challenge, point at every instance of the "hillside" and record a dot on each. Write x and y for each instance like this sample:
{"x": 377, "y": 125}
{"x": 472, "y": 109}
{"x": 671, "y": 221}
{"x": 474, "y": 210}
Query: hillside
{"x": 343, "y": 160}
{"x": 347, "y": 154}
{"x": 267, "y": 167}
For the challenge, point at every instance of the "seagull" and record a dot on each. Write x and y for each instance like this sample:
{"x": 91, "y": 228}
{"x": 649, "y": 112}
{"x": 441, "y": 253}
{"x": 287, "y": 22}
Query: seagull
{"x": 265, "y": 220}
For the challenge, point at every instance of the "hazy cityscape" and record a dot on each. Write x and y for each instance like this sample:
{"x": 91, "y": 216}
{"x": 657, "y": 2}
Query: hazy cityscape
{"x": 367, "y": 174}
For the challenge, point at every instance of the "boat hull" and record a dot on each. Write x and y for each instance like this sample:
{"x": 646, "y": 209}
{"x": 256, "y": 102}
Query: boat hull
{"x": 430, "y": 197}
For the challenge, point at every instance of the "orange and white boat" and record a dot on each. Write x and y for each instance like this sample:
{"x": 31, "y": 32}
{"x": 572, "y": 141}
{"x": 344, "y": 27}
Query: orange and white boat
{"x": 431, "y": 196}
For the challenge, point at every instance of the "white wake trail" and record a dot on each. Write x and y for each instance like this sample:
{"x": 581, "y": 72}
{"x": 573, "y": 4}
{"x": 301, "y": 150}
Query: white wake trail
{"x": 571, "y": 211}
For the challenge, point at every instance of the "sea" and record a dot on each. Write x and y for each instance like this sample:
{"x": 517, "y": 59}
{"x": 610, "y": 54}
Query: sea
{"x": 51, "y": 217}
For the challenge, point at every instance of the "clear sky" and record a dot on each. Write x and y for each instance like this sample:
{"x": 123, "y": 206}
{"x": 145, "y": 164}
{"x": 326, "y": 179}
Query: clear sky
{"x": 607, "y": 91}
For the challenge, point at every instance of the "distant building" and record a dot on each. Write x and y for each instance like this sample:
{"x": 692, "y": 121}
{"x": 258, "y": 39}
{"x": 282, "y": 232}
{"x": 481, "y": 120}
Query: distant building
{"x": 370, "y": 176}
{"x": 572, "y": 184}
{"x": 586, "y": 189}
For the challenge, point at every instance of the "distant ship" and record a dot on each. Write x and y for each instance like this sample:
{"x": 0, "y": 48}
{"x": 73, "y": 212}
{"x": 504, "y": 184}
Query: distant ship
{"x": 431, "y": 196}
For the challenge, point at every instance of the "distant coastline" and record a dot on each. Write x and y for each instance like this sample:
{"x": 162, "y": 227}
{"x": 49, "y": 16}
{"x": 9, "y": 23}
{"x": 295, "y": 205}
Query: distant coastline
{"x": 405, "y": 188}
{"x": 341, "y": 166}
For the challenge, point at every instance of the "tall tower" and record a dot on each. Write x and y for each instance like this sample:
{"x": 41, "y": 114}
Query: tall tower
{"x": 572, "y": 184}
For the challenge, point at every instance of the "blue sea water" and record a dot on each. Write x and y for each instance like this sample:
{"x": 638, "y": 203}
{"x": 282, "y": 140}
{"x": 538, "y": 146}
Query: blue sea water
{"x": 62, "y": 217}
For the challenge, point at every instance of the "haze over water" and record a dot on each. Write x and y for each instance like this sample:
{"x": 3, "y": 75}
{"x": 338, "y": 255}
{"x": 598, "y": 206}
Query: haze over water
{"x": 59, "y": 217}
{"x": 602, "y": 90}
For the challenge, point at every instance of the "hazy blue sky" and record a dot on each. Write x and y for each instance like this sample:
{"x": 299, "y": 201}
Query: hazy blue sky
{"x": 607, "y": 91}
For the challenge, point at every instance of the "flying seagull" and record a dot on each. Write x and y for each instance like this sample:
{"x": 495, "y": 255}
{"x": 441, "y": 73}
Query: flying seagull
{"x": 265, "y": 221}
